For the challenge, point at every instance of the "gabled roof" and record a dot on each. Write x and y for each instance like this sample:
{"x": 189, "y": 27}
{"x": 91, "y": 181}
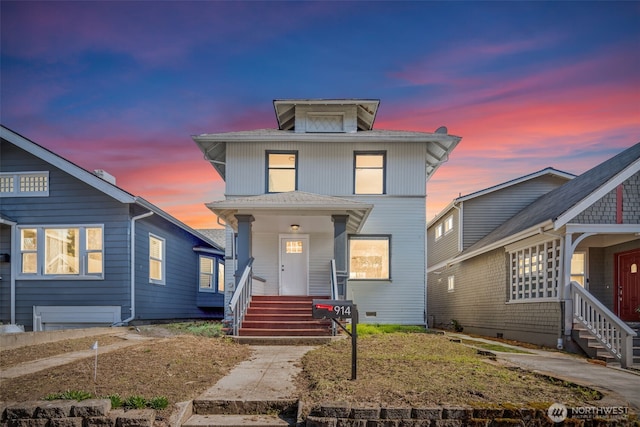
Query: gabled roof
{"x": 546, "y": 171}
{"x": 286, "y": 110}
{"x": 300, "y": 202}
{"x": 561, "y": 205}
{"x": 93, "y": 180}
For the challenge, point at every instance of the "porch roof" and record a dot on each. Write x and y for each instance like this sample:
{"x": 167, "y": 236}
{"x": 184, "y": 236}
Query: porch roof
{"x": 300, "y": 202}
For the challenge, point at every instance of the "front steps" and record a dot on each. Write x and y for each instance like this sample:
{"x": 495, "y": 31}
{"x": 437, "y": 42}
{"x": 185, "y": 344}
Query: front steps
{"x": 595, "y": 350}
{"x": 283, "y": 316}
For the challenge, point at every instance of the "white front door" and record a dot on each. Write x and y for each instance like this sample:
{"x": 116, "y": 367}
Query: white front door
{"x": 294, "y": 264}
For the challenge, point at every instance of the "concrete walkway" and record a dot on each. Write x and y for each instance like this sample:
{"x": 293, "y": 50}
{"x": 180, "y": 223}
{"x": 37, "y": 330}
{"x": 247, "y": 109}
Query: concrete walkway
{"x": 618, "y": 385}
{"x": 267, "y": 375}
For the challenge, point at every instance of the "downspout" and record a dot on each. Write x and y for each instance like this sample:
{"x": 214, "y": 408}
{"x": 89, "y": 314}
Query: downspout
{"x": 133, "y": 265}
{"x": 12, "y": 266}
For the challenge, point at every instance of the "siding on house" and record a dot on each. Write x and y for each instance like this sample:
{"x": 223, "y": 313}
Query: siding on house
{"x": 479, "y": 302}
{"x": 604, "y": 210}
{"x": 402, "y": 299}
{"x": 70, "y": 202}
{"x": 446, "y": 246}
{"x": 325, "y": 168}
{"x": 484, "y": 214}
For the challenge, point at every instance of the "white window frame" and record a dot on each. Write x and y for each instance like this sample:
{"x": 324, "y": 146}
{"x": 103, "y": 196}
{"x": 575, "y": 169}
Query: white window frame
{"x": 535, "y": 272}
{"x": 583, "y": 273}
{"x": 270, "y": 168}
{"x": 215, "y": 277}
{"x": 14, "y": 188}
{"x": 162, "y": 260}
{"x": 448, "y": 224}
{"x": 376, "y": 237}
{"x": 439, "y": 231}
{"x": 41, "y": 248}
{"x": 451, "y": 283}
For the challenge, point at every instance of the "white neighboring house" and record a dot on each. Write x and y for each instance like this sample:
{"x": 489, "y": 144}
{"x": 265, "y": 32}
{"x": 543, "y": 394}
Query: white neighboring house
{"x": 326, "y": 186}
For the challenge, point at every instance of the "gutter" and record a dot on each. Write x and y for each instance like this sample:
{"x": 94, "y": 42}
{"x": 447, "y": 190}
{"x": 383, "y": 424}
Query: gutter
{"x": 133, "y": 265}
{"x": 12, "y": 267}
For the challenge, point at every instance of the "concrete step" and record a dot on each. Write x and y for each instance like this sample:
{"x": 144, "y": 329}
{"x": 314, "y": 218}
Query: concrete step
{"x": 260, "y": 332}
{"x": 238, "y": 421}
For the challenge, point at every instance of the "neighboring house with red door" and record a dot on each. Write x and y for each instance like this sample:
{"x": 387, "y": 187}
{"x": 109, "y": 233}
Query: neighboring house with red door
{"x": 545, "y": 259}
{"x": 325, "y": 189}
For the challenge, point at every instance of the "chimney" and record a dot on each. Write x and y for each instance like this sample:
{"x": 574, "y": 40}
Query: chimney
{"x": 105, "y": 176}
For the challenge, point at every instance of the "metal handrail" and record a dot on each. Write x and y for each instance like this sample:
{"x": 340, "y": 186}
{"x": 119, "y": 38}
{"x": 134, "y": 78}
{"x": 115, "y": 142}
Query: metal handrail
{"x": 615, "y": 335}
{"x": 334, "y": 279}
{"x": 241, "y": 298}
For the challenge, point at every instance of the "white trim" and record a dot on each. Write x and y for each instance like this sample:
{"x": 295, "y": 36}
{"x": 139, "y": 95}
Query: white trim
{"x": 596, "y": 195}
{"x": 65, "y": 165}
{"x": 603, "y": 228}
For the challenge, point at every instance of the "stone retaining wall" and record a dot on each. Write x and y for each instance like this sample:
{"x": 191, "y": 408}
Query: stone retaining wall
{"x": 71, "y": 413}
{"x": 343, "y": 415}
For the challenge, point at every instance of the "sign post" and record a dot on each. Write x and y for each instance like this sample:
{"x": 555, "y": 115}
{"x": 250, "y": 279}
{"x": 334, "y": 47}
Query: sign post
{"x": 339, "y": 310}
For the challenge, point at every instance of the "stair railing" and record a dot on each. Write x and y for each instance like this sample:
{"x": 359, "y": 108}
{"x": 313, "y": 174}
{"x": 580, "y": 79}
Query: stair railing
{"x": 615, "y": 335}
{"x": 334, "y": 291}
{"x": 241, "y": 298}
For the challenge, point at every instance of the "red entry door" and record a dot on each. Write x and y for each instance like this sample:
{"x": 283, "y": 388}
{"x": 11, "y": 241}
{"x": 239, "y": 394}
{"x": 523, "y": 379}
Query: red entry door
{"x": 628, "y": 280}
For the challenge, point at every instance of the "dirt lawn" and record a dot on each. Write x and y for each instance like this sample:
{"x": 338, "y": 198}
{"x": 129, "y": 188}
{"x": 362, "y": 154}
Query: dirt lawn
{"x": 394, "y": 369}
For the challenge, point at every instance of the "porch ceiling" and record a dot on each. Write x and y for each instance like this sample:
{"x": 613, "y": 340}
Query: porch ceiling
{"x": 294, "y": 202}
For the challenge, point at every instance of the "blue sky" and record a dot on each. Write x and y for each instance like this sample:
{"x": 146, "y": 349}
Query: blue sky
{"x": 121, "y": 86}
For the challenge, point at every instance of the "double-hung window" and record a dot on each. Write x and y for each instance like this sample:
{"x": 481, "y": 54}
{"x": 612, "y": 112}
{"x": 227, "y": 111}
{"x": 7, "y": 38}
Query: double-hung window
{"x": 282, "y": 171}
{"x": 156, "y": 260}
{"x": 369, "y": 172}
{"x": 369, "y": 257}
{"x": 52, "y": 251}
{"x": 211, "y": 269}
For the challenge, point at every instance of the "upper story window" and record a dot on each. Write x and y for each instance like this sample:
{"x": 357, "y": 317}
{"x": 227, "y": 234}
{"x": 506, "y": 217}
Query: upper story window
{"x": 448, "y": 224}
{"x": 49, "y": 252}
{"x": 369, "y": 173}
{"x": 439, "y": 230}
{"x": 156, "y": 259}
{"x": 24, "y": 184}
{"x": 282, "y": 171}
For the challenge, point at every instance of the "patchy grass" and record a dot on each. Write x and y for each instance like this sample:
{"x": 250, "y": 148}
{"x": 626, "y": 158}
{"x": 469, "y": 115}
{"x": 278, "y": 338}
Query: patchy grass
{"x": 375, "y": 329}
{"x": 210, "y": 329}
{"x": 423, "y": 369}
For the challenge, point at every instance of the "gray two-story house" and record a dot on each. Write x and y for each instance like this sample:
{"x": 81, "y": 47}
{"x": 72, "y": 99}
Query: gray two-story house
{"x": 322, "y": 189}
{"x": 547, "y": 258}
{"x": 78, "y": 251}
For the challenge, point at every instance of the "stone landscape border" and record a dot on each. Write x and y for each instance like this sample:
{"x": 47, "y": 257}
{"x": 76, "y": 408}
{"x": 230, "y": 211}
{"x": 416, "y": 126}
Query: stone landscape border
{"x": 71, "y": 413}
{"x": 345, "y": 415}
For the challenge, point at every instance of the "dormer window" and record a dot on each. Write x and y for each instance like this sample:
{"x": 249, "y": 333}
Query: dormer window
{"x": 282, "y": 167}
{"x": 325, "y": 122}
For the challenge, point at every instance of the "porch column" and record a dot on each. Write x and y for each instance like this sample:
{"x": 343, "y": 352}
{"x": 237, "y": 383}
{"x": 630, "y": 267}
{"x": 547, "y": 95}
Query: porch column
{"x": 243, "y": 248}
{"x": 340, "y": 250}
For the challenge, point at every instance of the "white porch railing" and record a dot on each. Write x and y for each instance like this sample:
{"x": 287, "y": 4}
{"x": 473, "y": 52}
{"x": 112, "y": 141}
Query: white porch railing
{"x": 241, "y": 298}
{"x": 615, "y": 335}
{"x": 334, "y": 279}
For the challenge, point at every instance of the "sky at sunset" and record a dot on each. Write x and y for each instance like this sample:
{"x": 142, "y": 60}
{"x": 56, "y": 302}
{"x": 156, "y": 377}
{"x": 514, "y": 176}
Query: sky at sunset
{"x": 122, "y": 86}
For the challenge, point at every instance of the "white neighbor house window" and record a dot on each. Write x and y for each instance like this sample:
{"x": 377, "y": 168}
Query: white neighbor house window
{"x": 579, "y": 268}
{"x": 47, "y": 251}
{"x": 439, "y": 231}
{"x": 210, "y": 269}
{"x": 448, "y": 224}
{"x": 156, "y": 260}
{"x": 24, "y": 184}
{"x": 369, "y": 257}
{"x": 535, "y": 271}
{"x": 451, "y": 283}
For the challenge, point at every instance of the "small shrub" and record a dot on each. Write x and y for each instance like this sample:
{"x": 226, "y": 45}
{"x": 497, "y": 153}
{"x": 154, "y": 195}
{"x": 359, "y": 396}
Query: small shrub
{"x": 116, "y": 400}
{"x": 456, "y": 325}
{"x": 158, "y": 403}
{"x": 134, "y": 402}
{"x": 70, "y": 395}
